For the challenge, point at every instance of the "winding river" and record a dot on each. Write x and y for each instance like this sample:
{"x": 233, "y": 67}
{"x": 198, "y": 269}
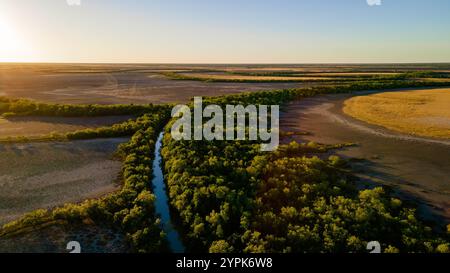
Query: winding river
{"x": 162, "y": 201}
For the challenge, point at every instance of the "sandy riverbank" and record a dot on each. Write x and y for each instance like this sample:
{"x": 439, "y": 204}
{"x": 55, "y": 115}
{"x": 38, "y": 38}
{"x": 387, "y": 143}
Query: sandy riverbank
{"x": 416, "y": 167}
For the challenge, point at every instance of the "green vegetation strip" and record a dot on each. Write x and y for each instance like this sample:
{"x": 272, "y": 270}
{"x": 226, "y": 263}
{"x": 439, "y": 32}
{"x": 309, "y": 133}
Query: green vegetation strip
{"x": 184, "y": 77}
{"x": 23, "y": 107}
{"x": 355, "y": 75}
{"x": 335, "y": 78}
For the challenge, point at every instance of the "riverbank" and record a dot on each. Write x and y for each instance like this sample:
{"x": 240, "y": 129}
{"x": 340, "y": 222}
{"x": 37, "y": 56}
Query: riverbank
{"x": 416, "y": 167}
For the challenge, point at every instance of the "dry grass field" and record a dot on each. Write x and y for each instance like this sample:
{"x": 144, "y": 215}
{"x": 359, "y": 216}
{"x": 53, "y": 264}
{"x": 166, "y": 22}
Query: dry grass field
{"x": 422, "y": 112}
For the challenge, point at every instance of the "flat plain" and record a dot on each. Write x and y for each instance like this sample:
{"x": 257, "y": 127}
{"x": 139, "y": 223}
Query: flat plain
{"x": 149, "y": 83}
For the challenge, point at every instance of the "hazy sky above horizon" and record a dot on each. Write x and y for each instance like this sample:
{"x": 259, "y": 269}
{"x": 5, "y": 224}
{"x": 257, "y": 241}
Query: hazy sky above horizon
{"x": 225, "y": 31}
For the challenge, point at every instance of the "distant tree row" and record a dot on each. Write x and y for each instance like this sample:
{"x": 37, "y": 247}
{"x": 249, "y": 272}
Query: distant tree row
{"x": 347, "y": 77}
{"x": 186, "y": 77}
{"x": 23, "y": 107}
{"x": 310, "y": 77}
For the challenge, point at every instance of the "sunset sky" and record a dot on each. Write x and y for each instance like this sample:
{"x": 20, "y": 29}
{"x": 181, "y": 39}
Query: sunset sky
{"x": 219, "y": 31}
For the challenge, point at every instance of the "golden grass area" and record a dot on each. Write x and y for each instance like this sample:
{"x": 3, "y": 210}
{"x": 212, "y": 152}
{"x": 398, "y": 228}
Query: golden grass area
{"x": 419, "y": 112}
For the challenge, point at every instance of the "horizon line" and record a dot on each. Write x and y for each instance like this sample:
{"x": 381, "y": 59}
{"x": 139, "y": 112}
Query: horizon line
{"x": 226, "y": 63}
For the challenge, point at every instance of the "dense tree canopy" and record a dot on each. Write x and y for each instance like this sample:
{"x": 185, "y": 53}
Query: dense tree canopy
{"x": 305, "y": 204}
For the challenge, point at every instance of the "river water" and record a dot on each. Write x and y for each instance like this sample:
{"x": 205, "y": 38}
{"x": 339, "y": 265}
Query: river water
{"x": 162, "y": 201}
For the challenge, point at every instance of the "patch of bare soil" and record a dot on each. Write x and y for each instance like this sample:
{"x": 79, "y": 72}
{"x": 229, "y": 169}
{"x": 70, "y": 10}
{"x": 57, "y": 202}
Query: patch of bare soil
{"x": 45, "y": 175}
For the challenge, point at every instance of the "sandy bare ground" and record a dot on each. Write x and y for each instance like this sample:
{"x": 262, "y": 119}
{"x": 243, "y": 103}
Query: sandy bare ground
{"x": 416, "y": 167}
{"x": 37, "y": 126}
{"x": 44, "y": 175}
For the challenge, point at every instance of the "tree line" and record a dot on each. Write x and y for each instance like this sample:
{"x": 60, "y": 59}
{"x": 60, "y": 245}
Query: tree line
{"x": 10, "y": 107}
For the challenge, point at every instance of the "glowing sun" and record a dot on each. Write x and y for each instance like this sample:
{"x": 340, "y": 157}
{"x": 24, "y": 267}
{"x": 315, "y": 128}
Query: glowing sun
{"x": 12, "y": 47}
